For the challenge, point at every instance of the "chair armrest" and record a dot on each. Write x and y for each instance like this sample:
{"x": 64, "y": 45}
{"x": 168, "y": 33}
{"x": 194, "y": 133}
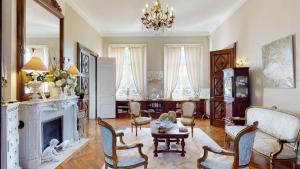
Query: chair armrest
{"x": 121, "y": 135}
{"x": 126, "y": 147}
{"x": 230, "y": 120}
{"x": 218, "y": 151}
{"x": 145, "y": 112}
{"x": 213, "y": 150}
{"x": 238, "y": 118}
{"x": 281, "y": 143}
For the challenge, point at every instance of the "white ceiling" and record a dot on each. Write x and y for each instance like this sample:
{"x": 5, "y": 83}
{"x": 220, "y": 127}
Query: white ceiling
{"x": 122, "y": 17}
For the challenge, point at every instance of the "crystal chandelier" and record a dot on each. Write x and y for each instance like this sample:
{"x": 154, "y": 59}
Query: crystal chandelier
{"x": 156, "y": 19}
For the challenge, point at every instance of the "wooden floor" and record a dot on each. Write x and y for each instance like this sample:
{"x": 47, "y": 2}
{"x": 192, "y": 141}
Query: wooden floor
{"x": 91, "y": 155}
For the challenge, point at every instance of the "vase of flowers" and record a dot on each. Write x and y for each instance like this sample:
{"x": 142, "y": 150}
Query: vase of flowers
{"x": 61, "y": 82}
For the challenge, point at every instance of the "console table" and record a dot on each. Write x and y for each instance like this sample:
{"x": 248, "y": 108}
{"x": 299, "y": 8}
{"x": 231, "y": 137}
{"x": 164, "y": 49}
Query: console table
{"x": 157, "y": 107}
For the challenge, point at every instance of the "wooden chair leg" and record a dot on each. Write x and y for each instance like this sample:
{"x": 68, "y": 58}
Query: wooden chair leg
{"x": 271, "y": 163}
{"x": 140, "y": 127}
{"x": 145, "y": 166}
{"x": 192, "y": 131}
{"x": 136, "y": 130}
{"x": 226, "y": 140}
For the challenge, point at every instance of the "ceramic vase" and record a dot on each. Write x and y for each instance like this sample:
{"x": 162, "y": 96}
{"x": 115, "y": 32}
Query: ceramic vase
{"x": 56, "y": 92}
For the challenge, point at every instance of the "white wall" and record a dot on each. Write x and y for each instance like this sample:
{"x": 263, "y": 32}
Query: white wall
{"x": 256, "y": 23}
{"x": 78, "y": 30}
{"x": 155, "y": 51}
{"x": 9, "y": 46}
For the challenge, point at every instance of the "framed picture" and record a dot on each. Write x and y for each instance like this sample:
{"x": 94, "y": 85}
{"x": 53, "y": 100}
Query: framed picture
{"x": 278, "y": 64}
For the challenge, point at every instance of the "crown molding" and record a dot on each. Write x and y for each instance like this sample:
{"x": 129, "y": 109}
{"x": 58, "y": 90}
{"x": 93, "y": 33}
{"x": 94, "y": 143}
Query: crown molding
{"x": 232, "y": 11}
{"x": 102, "y": 33}
{"x": 154, "y": 34}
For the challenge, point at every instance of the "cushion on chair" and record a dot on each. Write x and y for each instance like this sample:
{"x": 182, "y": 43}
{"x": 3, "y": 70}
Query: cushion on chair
{"x": 127, "y": 161}
{"x": 266, "y": 144}
{"x": 135, "y": 108}
{"x": 188, "y": 109}
{"x": 278, "y": 124}
{"x": 216, "y": 161}
{"x": 141, "y": 120}
{"x": 245, "y": 147}
{"x": 185, "y": 121}
{"x": 107, "y": 140}
{"x": 232, "y": 131}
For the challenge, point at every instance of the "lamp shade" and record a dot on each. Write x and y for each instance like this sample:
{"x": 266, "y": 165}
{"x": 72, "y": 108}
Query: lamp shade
{"x": 74, "y": 71}
{"x": 35, "y": 64}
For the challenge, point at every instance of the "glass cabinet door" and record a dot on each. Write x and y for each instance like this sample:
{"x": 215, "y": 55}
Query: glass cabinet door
{"x": 241, "y": 86}
{"x": 228, "y": 87}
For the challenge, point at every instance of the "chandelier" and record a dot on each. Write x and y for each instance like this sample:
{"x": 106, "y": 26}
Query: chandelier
{"x": 155, "y": 18}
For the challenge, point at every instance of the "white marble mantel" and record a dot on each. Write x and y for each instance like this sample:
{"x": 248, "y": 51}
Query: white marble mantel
{"x": 33, "y": 114}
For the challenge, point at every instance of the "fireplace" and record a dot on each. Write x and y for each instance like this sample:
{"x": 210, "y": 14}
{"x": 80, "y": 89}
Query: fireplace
{"x": 52, "y": 129}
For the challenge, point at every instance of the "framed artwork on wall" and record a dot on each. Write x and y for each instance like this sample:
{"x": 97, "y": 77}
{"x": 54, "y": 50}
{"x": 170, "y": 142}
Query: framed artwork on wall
{"x": 278, "y": 64}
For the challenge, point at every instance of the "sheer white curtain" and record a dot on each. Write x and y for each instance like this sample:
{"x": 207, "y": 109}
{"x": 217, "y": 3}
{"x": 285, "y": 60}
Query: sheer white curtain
{"x": 194, "y": 66}
{"x": 138, "y": 67}
{"x": 119, "y": 54}
{"x": 171, "y": 69}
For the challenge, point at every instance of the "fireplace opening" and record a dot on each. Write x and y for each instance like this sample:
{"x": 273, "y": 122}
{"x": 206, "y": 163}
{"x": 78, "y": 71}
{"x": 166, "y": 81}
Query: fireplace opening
{"x": 52, "y": 129}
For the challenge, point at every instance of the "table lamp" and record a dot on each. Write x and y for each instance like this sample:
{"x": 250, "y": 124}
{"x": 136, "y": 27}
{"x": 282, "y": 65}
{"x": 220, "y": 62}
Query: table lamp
{"x": 73, "y": 71}
{"x": 35, "y": 66}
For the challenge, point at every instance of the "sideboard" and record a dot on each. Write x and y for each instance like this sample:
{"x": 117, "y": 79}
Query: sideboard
{"x": 157, "y": 107}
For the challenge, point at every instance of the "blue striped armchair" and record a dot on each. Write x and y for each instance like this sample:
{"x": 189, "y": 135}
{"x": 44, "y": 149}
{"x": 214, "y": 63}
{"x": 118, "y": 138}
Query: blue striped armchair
{"x": 111, "y": 149}
{"x": 222, "y": 159}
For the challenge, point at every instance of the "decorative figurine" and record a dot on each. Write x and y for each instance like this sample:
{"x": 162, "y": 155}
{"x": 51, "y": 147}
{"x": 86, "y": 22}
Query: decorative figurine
{"x": 49, "y": 154}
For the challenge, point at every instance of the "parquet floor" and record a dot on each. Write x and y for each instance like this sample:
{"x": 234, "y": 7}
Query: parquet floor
{"x": 91, "y": 155}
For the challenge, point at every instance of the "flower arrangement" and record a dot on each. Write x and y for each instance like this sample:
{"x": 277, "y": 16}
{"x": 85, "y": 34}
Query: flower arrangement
{"x": 60, "y": 78}
{"x": 154, "y": 76}
{"x": 57, "y": 79}
{"x": 171, "y": 116}
{"x": 3, "y": 82}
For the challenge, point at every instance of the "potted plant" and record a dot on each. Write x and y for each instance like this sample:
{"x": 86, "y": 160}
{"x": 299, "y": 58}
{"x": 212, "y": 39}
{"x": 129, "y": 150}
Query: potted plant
{"x": 79, "y": 92}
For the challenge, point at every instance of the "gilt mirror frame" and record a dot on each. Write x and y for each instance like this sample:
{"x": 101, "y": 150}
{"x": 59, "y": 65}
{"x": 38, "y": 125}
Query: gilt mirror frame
{"x": 53, "y": 7}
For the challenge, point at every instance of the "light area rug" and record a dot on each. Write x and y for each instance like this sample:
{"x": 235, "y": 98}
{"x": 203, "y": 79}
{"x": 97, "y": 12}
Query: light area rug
{"x": 193, "y": 150}
{"x": 63, "y": 155}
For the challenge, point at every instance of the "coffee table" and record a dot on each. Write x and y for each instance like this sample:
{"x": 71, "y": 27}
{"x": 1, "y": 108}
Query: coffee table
{"x": 172, "y": 135}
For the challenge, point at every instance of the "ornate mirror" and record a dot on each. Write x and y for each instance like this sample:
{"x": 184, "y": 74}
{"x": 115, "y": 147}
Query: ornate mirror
{"x": 39, "y": 33}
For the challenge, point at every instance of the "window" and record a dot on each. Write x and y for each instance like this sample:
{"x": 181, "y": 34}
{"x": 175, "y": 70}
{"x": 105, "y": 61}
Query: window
{"x": 183, "y": 88}
{"x": 127, "y": 86}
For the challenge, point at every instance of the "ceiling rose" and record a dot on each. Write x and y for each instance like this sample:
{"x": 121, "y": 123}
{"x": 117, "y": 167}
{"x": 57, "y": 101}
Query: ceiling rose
{"x": 155, "y": 18}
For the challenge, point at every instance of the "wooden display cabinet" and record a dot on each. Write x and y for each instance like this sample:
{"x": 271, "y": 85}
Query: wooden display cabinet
{"x": 236, "y": 92}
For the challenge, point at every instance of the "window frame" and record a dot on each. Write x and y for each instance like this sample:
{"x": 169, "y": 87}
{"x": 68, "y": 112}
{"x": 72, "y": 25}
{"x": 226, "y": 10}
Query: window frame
{"x": 182, "y": 46}
{"x": 110, "y": 46}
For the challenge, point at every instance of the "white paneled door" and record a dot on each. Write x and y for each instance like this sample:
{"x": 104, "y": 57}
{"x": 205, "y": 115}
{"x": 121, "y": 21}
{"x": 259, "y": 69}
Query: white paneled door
{"x": 92, "y": 87}
{"x": 106, "y": 82}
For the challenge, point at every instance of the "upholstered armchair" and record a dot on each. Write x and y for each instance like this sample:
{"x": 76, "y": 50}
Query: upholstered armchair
{"x": 217, "y": 158}
{"x": 112, "y": 157}
{"x": 136, "y": 116}
{"x": 278, "y": 134}
{"x": 187, "y": 115}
